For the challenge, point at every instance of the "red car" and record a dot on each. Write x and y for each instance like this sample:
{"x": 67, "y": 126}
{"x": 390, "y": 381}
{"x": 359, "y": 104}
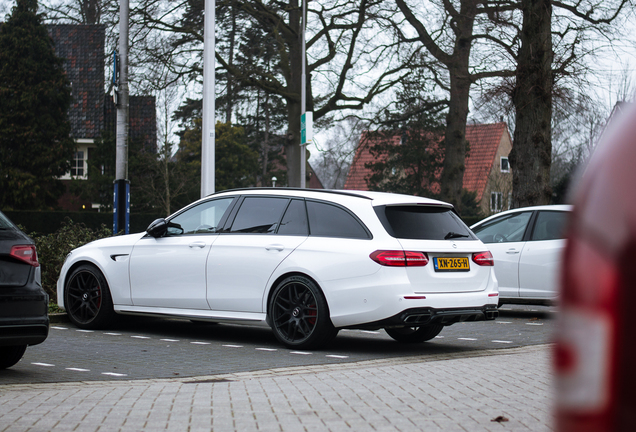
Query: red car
{"x": 596, "y": 341}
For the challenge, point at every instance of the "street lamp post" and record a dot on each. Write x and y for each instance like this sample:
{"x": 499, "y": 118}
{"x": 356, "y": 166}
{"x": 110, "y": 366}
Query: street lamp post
{"x": 207, "y": 141}
{"x": 121, "y": 198}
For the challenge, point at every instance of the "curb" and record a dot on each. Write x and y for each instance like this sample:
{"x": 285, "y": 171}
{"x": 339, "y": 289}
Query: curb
{"x": 56, "y": 318}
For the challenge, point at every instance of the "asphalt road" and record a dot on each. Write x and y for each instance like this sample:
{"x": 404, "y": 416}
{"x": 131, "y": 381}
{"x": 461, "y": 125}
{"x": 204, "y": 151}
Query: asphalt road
{"x": 141, "y": 348}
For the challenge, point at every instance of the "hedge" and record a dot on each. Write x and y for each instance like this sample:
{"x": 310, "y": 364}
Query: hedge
{"x": 48, "y": 222}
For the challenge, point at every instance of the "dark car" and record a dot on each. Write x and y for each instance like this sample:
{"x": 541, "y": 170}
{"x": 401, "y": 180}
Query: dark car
{"x": 23, "y": 303}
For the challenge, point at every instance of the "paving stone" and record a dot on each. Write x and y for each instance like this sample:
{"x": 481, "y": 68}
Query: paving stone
{"x": 462, "y": 394}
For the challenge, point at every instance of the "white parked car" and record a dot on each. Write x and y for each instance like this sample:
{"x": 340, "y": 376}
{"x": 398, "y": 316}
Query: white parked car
{"x": 526, "y": 244}
{"x": 305, "y": 262}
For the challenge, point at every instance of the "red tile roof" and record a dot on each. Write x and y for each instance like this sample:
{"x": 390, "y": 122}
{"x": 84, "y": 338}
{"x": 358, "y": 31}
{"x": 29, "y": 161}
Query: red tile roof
{"x": 483, "y": 139}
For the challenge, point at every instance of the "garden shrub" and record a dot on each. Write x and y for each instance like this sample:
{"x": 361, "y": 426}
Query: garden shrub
{"x": 53, "y": 248}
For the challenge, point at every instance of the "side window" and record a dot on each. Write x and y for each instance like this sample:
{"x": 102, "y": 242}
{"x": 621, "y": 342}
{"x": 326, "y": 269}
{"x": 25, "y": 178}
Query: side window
{"x": 295, "y": 220}
{"x": 259, "y": 215}
{"x": 202, "y": 219}
{"x": 328, "y": 220}
{"x": 550, "y": 225}
{"x": 509, "y": 228}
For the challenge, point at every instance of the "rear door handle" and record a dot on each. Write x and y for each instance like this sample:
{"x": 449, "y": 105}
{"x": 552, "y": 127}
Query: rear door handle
{"x": 197, "y": 244}
{"x": 276, "y": 247}
{"x": 512, "y": 251}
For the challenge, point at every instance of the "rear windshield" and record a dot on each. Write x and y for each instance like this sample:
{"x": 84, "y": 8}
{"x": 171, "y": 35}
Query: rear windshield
{"x": 5, "y": 223}
{"x": 423, "y": 223}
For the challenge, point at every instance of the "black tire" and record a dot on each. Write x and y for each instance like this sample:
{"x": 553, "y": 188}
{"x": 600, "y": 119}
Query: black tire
{"x": 87, "y": 298}
{"x": 10, "y": 355}
{"x": 299, "y": 314}
{"x": 415, "y": 334}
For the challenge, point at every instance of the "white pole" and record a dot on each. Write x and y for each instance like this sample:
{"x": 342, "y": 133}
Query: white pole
{"x": 207, "y": 142}
{"x": 121, "y": 148}
{"x": 303, "y": 96}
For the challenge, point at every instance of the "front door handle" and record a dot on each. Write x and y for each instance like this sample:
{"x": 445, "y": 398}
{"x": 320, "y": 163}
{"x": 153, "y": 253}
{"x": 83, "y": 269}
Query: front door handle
{"x": 276, "y": 247}
{"x": 512, "y": 251}
{"x": 197, "y": 244}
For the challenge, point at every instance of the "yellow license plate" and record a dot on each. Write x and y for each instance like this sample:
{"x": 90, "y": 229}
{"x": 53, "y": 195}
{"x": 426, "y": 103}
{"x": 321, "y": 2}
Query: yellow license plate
{"x": 451, "y": 264}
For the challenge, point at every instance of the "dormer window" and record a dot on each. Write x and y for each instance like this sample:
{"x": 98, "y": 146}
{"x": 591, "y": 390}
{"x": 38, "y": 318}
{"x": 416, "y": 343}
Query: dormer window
{"x": 505, "y": 165}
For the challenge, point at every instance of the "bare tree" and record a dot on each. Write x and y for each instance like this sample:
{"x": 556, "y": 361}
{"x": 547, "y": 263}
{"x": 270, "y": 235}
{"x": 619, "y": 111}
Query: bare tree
{"x": 336, "y": 152}
{"x": 342, "y": 47}
{"x": 451, "y": 43}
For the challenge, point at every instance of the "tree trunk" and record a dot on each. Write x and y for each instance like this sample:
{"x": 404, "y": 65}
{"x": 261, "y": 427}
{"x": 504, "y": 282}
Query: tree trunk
{"x": 452, "y": 178}
{"x": 292, "y": 144}
{"x": 531, "y": 154}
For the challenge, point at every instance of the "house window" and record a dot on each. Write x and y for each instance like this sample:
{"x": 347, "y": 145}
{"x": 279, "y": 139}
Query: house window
{"x": 496, "y": 201}
{"x": 505, "y": 165}
{"x": 78, "y": 165}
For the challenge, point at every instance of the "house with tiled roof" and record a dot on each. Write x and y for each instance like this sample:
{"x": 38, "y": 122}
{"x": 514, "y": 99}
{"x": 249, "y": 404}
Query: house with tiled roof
{"x": 92, "y": 111}
{"x": 487, "y": 171}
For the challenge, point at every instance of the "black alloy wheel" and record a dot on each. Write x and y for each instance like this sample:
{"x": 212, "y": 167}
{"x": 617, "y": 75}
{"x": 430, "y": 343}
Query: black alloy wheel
{"x": 10, "y": 355}
{"x": 299, "y": 314}
{"x": 415, "y": 334}
{"x": 87, "y": 298}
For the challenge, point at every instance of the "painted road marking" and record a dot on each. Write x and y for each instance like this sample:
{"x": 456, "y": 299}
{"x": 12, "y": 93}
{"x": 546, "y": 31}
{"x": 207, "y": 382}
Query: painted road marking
{"x": 170, "y": 340}
{"x": 467, "y": 339}
{"x": 534, "y": 323}
{"x": 233, "y": 346}
{"x": 114, "y": 374}
{"x": 113, "y": 334}
{"x": 500, "y": 341}
{"x": 503, "y": 322}
{"x": 78, "y": 369}
{"x": 85, "y": 331}
{"x": 200, "y": 343}
{"x": 337, "y": 356}
{"x": 140, "y": 337}
{"x": 59, "y": 328}
{"x": 266, "y": 349}
{"x": 301, "y": 353}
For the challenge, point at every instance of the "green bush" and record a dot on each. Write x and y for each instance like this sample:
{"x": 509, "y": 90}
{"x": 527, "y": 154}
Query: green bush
{"x": 53, "y": 248}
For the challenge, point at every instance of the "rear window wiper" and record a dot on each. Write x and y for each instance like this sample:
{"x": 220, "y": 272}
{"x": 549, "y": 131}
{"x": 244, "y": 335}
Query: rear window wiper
{"x": 452, "y": 235}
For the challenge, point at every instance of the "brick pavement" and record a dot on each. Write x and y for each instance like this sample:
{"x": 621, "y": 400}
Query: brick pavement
{"x": 457, "y": 392}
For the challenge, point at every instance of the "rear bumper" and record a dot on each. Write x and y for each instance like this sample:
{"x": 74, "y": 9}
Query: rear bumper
{"x": 416, "y": 317}
{"x": 24, "y": 316}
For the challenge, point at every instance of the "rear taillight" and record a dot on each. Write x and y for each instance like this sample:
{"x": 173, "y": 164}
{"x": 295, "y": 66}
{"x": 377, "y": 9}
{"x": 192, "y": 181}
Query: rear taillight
{"x": 395, "y": 258}
{"x": 587, "y": 343}
{"x": 25, "y": 253}
{"x": 483, "y": 258}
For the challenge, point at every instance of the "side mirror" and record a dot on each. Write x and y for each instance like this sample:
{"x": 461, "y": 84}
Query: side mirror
{"x": 157, "y": 228}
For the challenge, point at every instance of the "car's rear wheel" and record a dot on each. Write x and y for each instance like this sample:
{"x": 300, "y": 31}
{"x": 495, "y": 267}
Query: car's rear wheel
{"x": 415, "y": 334}
{"x": 299, "y": 314}
{"x": 10, "y": 355}
{"x": 87, "y": 298}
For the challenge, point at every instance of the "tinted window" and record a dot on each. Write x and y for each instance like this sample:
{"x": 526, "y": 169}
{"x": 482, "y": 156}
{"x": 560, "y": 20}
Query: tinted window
{"x": 423, "y": 223}
{"x": 328, "y": 220}
{"x": 200, "y": 219}
{"x": 550, "y": 225}
{"x": 259, "y": 215}
{"x": 295, "y": 220}
{"x": 5, "y": 222}
{"x": 508, "y": 228}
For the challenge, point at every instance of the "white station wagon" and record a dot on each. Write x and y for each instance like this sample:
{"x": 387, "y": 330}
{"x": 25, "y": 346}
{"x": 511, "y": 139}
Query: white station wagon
{"x": 306, "y": 263}
{"x": 527, "y": 245}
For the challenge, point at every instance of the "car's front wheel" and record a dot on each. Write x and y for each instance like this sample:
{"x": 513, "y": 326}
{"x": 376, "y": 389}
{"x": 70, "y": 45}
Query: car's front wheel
{"x": 299, "y": 314}
{"x": 10, "y": 355}
{"x": 87, "y": 298}
{"x": 415, "y": 334}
